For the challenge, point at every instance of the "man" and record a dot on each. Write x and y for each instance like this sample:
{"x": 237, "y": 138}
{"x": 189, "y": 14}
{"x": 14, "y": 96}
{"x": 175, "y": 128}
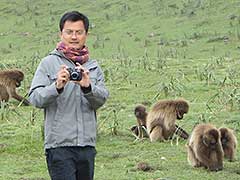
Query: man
{"x": 70, "y": 98}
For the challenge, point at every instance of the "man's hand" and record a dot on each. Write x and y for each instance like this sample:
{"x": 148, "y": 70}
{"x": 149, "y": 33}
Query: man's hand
{"x": 85, "y": 82}
{"x": 62, "y": 77}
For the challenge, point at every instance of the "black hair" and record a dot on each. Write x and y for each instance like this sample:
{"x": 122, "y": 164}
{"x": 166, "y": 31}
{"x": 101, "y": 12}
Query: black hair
{"x": 74, "y": 16}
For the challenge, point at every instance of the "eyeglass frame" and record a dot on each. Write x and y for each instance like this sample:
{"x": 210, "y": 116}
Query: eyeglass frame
{"x": 70, "y": 32}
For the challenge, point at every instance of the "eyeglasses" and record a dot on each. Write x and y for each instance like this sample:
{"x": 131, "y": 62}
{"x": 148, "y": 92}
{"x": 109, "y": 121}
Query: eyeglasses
{"x": 70, "y": 32}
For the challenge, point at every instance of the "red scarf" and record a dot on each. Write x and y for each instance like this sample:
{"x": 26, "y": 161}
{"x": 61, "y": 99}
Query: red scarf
{"x": 76, "y": 55}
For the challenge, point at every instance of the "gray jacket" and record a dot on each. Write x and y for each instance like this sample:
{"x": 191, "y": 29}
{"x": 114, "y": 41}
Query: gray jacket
{"x": 70, "y": 117}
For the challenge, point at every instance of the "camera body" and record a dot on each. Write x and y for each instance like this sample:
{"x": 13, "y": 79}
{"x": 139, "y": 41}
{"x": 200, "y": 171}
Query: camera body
{"x": 75, "y": 74}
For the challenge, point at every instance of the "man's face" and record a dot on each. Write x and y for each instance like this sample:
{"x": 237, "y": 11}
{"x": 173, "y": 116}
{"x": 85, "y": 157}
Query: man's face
{"x": 73, "y": 34}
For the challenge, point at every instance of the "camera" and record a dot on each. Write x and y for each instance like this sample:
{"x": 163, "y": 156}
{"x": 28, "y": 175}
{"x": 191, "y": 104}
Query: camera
{"x": 75, "y": 74}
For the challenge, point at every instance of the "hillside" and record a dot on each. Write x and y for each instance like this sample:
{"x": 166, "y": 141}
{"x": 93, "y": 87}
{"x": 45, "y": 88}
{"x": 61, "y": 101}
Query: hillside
{"x": 192, "y": 28}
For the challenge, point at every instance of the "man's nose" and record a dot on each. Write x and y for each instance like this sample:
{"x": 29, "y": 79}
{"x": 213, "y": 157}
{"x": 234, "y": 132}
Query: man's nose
{"x": 74, "y": 36}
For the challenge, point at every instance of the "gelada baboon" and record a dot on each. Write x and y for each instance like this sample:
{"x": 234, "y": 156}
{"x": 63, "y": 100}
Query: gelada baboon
{"x": 204, "y": 148}
{"x": 9, "y": 81}
{"x": 162, "y": 117}
{"x": 140, "y": 129}
{"x": 141, "y": 114}
{"x": 229, "y": 143}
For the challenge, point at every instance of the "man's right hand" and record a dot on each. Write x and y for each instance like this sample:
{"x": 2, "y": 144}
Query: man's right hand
{"x": 62, "y": 77}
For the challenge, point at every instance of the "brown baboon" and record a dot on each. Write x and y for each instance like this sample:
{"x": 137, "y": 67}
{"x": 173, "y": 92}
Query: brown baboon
{"x": 141, "y": 115}
{"x": 204, "y": 147}
{"x": 9, "y": 81}
{"x": 229, "y": 143}
{"x": 140, "y": 129}
{"x": 162, "y": 117}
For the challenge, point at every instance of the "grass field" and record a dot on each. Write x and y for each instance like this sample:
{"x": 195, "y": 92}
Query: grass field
{"x": 148, "y": 50}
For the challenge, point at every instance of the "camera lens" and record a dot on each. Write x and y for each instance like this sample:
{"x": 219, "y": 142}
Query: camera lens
{"x": 75, "y": 75}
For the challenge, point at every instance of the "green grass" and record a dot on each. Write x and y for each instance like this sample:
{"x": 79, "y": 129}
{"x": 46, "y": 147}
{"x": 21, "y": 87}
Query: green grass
{"x": 149, "y": 51}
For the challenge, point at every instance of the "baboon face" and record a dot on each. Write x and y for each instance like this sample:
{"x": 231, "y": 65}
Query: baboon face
{"x": 18, "y": 83}
{"x": 229, "y": 143}
{"x": 224, "y": 141}
{"x": 180, "y": 115}
{"x": 210, "y": 139}
{"x": 18, "y": 76}
{"x": 140, "y": 111}
{"x": 224, "y": 136}
{"x": 181, "y": 108}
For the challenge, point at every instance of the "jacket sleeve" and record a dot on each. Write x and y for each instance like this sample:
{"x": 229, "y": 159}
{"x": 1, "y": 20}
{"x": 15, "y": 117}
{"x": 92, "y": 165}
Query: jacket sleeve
{"x": 98, "y": 94}
{"x": 43, "y": 90}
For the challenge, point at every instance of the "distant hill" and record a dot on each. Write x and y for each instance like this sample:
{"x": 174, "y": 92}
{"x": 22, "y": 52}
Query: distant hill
{"x": 189, "y": 28}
